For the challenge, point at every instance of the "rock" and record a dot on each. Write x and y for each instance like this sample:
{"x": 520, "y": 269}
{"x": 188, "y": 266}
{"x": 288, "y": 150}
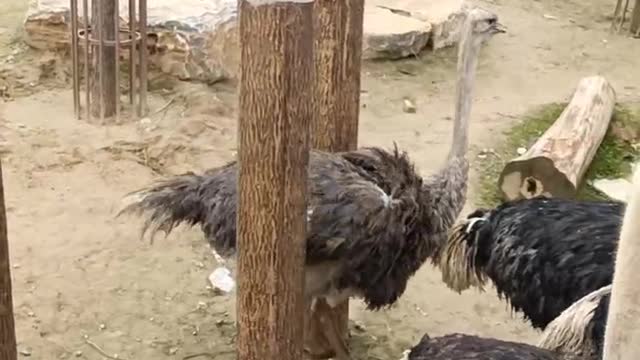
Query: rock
{"x": 181, "y": 34}
{"x": 617, "y": 189}
{"x": 408, "y": 106}
{"x": 221, "y": 280}
{"x": 388, "y": 35}
{"x": 198, "y": 40}
{"x": 444, "y": 16}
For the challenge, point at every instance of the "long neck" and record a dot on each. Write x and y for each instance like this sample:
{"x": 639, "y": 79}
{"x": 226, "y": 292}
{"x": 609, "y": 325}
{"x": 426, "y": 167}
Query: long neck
{"x": 448, "y": 188}
{"x": 467, "y": 61}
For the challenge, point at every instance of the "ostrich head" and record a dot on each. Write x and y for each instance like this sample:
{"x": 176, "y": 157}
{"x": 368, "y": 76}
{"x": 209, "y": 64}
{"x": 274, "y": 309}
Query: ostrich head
{"x": 459, "y": 261}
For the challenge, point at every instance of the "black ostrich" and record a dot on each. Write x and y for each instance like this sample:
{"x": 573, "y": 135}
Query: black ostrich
{"x": 577, "y": 334}
{"x": 542, "y": 254}
{"x": 469, "y": 347}
{"x": 372, "y": 221}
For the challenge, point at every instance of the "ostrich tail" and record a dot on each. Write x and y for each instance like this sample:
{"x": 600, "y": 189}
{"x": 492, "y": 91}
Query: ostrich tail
{"x": 458, "y": 257}
{"x": 167, "y": 203}
{"x": 571, "y": 331}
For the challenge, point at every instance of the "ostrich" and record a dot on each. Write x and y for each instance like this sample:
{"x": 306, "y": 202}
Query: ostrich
{"x": 372, "y": 220}
{"x": 580, "y": 329}
{"x": 577, "y": 334}
{"x": 542, "y": 254}
{"x": 584, "y": 331}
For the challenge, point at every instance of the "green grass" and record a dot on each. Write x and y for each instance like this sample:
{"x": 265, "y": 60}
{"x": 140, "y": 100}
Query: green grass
{"x": 613, "y": 159}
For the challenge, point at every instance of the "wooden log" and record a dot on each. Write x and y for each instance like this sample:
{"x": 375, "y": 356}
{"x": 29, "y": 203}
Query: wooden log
{"x": 338, "y": 54}
{"x": 555, "y": 164}
{"x": 8, "y": 350}
{"x": 622, "y": 334}
{"x": 275, "y": 112}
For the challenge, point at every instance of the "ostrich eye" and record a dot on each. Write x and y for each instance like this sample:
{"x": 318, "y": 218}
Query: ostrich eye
{"x": 492, "y": 21}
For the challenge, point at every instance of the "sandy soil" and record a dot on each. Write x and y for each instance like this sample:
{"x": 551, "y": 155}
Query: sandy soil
{"x": 78, "y": 272}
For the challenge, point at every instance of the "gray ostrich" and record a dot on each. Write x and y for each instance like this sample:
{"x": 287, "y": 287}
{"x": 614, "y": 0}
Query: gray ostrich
{"x": 372, "y": 220}
{"x": 577, "y": 334}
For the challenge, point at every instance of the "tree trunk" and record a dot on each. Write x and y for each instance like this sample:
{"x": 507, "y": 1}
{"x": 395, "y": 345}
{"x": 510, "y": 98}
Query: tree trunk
{"x": 338, "y": 53}
{"x": 274, "y": 117}
{"x": 104, "y": 63}
{"x": 635, "y": 19}
{"x": 622, "y": 335}
{"x": 556, "y": 163}
{"x": 8, "y": 350}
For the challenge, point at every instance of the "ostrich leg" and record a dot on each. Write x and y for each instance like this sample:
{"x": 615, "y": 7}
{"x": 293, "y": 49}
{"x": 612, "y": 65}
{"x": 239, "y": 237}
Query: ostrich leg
{"x": 315, "y": 342}
{"x": 331, "y": 328}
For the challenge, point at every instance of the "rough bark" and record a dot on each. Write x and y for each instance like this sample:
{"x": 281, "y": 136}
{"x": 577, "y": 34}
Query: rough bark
{"x": 104, "y": 88}
{"x": 8, "y": 349}
{"x": 555, "y": 164}
{"x": 274, "y": 117}
{"x": 622, "y": 335}
{"x": 338, "y": 53}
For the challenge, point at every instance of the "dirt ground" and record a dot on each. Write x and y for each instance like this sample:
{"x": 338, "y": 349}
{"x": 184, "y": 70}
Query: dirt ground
{"x": 79, "y": 274}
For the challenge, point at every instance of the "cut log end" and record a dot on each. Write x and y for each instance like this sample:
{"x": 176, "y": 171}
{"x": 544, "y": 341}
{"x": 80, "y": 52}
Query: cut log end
{"x": 556, "y": 163}
{"x": 534, "y": 177}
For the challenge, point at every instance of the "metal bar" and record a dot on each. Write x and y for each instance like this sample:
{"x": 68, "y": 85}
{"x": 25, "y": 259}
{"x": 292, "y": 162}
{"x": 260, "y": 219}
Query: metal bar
{"x": 74, "y": 58}
{"x": 142, "y": 108}
{"x": 85, "y": 10}
{"x": 100, "y": 54}
{"x": 116, "y": 25}
{"x": 132, "y": 53}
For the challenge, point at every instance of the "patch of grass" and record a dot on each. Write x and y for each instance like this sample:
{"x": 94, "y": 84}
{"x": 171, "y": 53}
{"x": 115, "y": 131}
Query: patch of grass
{"x": 613, "y": 159}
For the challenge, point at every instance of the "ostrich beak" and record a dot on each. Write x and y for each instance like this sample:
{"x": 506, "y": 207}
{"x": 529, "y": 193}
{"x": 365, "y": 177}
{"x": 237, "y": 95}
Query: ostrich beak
{"x": 499, "y": 28}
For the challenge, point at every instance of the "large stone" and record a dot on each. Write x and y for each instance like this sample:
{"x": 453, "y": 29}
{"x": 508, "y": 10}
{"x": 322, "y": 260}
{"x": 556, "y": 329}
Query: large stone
{"x": 388, "y": 34}
{"x": 444, "y": 17}
{"x": 190, "y": 39}
{"x": 197, "y": 40}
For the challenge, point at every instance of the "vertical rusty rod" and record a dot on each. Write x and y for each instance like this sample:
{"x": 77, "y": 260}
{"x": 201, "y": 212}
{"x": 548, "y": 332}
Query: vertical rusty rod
{"x": 116, "y": 44}
{"x": 8, "y": 349}
{"x": 132, "y": 53}
{"x": 87, "y": 94}
{"x": 142, "y": 24}
{"x": 100, "y": 55}
{"x": 74, "y": 58}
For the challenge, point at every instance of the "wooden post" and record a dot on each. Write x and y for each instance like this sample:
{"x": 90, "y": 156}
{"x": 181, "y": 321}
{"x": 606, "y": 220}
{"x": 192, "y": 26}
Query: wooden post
{"x": 275, "y": 112}
{"x": 338, "y": 53}
{"x": 635, "y": 19}
{"x": 622, "y": 335}
{"x": 8, "y": 347}
{"x": 104, "y": 61}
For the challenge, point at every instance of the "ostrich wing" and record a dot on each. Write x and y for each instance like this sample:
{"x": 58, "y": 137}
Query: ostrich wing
{"x": 366, "y": 212}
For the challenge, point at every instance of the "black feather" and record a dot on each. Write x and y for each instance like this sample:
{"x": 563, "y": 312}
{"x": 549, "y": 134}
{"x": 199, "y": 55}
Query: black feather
{"x": 380, "y": 240}
{"x": 468, "y": 347}
{"x": 544, "y": 254}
